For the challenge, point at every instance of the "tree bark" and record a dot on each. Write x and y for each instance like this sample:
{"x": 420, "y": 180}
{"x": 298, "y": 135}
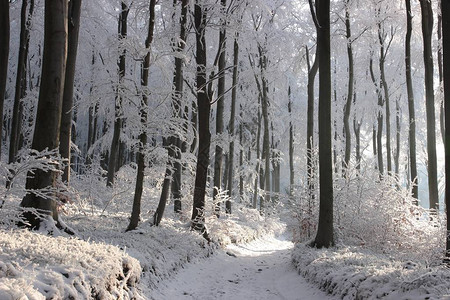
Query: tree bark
{"x": 218, "y": 159}
{"x": 440, "y": 72}
{"x": 4, "y": 55}
{"x": 67, "y": 113}
{"x": 204, "y": 135}
{"x": 324, "y": 237}
{"x": 231, "y": 123}
{"x": 411, "y": 111}
{"x": 312, "y": 72}
{"x": 21, "y": 79}
{"x": 348, "y": 104}
{"x": 379, "y": 131}
{"x": 136, "y": 210}
{"x": 118, "y": 117}
{"x": 291, "y": 147}
{"x": 445, "y": 8}
{"x": 427, "y": 29}
{"x": 48, "y": 118}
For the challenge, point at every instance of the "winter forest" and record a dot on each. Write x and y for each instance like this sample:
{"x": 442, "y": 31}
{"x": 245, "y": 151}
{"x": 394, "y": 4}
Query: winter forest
{"x": 224, "y": 149}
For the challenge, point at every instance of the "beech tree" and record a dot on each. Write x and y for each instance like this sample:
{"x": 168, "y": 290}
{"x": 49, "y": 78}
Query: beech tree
{"x": 136, "y": 210}
{"x": 67, "y": 108}
{"x": 325, "y": 236}
{"x": 203, "y": 110}
{"x": 445, "y": 9}
{"x": 48, "y": 118}
{"x": 4, "y": 54}
{"x": 427, "y": 29}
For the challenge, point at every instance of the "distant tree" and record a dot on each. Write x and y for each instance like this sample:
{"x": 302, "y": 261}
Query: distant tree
{"x": 427, "y": 29}
{"x": 48, "y": 118}
{"x": 204, "y": 110}
{"x": 136, "y": 211}
{"x": 118, "y": 119}
{"x": 325, "y": 236}
{"x": 4, "y": 54}
{"x": 67, "y": 109}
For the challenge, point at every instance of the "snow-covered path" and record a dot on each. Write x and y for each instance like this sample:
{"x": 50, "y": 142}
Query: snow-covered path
{"x": 257, "y": 270}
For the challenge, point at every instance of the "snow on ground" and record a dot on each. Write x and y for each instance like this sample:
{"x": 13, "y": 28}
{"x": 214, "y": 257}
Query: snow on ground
{"x": 260, "y": 269}
{"x": 357, "y": 273}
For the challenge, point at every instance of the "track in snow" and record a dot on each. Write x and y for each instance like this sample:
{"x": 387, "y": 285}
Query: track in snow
{"x": 259, "y": 270}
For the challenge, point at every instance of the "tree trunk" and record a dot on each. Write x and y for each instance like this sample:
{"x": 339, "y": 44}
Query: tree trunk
{"x": 440, "y": 70}
{"x": 220, "y": 108}
{"x": 265, "y": 116}
{"x": 347, "y": 107}
{"x": 379, "y": 131}
{"x": 21, "y": 79}
{"x": 204, "y": 135}
{"x": 427, "y": 28}
{"x": 312, "y": 72}
{"x": 412, "y": 119}
{"x": 258, "y": 161}
{"x": 4, "y": 55}
{"x": 445, "y": 8}
{"x": 291, "y": 147}
{"x": 241, "y": 158}
{"x": 177, "y": 108}
{"x": 66, "y": 117}
{"x": 386, "y": 100}
{"x": 136, "y": 211}
{"x": 48, "y": 118}
{"x": 324, "y": 237}
{"x": 118, "y": 117}
{"x": 231, "y": 124}
{"x": 397, "y": 137}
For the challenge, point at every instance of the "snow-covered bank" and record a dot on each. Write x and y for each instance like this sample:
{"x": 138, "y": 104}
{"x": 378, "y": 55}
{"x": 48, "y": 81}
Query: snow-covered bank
{"x": 353, "y": 273}
{"x": 36, "y": 266}
{"x": 260, "y": 269}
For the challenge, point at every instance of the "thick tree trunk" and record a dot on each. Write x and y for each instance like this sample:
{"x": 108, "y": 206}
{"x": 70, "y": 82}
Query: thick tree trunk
{"x": 204, "y": 109}
{"x": 231, "y": 124}
{"x": 4, "y": 55}
{"x": 67, "y": 108}
{"x": 348, "y": 104}
{"x": 379, "y": 130}
{"x": 324, "y": 237}
{"x": 412, "y": 119}
{"x": 440, "y": 71}
{"x": 21, "y": 79}
{"x": 136, "y": 210}
{"x": 266, "y": 144}
{"x": 218, "y": 160}
{"x": 427, "y": 29}
{"x": 445, "y": 8}
{"x": 48, "y": 118}
{"x": 118, "y": 117}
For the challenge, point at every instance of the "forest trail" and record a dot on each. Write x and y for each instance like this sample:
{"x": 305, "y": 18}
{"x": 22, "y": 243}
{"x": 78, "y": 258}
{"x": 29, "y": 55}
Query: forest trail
{"x": 258, "y": 270}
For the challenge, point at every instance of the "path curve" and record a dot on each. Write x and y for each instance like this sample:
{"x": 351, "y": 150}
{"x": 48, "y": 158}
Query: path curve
{"x": 258, "y": 270}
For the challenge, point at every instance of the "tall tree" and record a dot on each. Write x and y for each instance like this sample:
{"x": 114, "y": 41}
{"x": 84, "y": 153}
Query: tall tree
{"x": 312, "y": 72}
{"x": 136, "y": 211}
{"x": 232, "y": 121}
{"x": 427, "y": 29}
{"x": 174, "y": 174}
{"x": 21, "y": 76}
{"x": 325, "y": 236}
{"x": 118, "y": 117}
{"x": 218, "y": 158}
{"x": 378, "y": 131}
{"x": 445, "y": 9}
{"x": 67, "y": 108}
{"x": 411, "y": 111}
{"x": 204, "y": 109}
{"x": 291, "y": 146}
{"x": 348, "y": 103}
{"x": 48, "y": 118}
{"x": 4, "y": 54}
